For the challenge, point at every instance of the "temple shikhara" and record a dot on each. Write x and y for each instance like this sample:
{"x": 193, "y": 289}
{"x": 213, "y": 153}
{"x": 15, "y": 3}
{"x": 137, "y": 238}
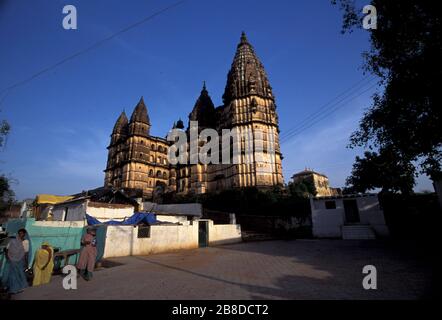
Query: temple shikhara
{"x": 138, "y": 160}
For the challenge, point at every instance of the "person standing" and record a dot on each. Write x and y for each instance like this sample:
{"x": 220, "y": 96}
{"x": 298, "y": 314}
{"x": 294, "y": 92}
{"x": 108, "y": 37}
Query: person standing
{"x": 43, "y": 264}
{"x": 88, "y": 254}
{"x": 17, "y": 257}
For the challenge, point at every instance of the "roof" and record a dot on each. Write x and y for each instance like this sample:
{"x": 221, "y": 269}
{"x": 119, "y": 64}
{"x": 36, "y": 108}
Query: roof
{"x": 308, "y": 172}
{"x": 183, "y": 209}
{"x": 51, "y": 199}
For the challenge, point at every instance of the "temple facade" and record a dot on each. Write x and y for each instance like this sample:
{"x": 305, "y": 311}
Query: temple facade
{"x": 138, "y": 160}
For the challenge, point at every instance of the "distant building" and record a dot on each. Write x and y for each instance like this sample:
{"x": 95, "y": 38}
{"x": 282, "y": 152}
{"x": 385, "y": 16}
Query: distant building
{"x": 319, "y": 181}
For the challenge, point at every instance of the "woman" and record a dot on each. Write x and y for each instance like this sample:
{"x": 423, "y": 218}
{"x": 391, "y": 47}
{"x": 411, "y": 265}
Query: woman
{"x": 16, "y": 263}
{"x": 43, "y": 264}
{"x": 88, "y": 255}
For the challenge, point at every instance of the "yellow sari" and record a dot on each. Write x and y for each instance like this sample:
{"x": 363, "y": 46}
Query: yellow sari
{"x": 43, "y": 276}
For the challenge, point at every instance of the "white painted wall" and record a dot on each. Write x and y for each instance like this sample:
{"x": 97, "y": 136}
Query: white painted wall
{"x": 173, "y": 219}
{"x": 123, "y": 241}
{"x": 327, "y": 223}
{"x": 60, "y": 224}
{"x": 76, "y": 212}
{"x": 105, "y": 214}
{"x": 220, "y": 234}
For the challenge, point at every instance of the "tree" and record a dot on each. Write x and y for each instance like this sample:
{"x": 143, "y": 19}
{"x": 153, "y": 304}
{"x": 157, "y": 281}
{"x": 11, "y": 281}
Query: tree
{"x": 4, "y": 130}
{"x": 6, "y": 193}
{"x": 381, "y": 170}
{"x": 302, "y": 189}
{"x": 404, "y": 120}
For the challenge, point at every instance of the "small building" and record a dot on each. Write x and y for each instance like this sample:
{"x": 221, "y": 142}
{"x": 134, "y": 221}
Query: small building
{"x": 26, "y": 210}
{"x": 43, "y": 204}
{"x": 318, "y": 180}
{"x": 103, "y": 204}
{"x": 348, "y": 217}
{"x": 76, "y": 210}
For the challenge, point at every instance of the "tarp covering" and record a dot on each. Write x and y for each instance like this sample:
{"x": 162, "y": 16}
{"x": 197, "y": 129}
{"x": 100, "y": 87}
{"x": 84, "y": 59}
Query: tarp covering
{"x": 51, "y": 199}
{"x": 137, "y": 218}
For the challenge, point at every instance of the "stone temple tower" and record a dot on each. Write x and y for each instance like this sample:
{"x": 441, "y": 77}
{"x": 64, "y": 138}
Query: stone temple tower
{"x": 249, "y": 106}
{"x": 137, "y": 160}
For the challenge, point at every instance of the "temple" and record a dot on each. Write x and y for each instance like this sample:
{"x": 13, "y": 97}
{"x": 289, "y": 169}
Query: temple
{"x": 138, "y": 160}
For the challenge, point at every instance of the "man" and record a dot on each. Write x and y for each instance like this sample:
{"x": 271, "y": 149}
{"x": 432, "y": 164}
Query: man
{"x": 88, "y": 254}
{"x": 43, "y": 264}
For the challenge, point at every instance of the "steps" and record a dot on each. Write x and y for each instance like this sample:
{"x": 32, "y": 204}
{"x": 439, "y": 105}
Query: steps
{"x": 255, "y": 236}
{"x": 357, "y": 232}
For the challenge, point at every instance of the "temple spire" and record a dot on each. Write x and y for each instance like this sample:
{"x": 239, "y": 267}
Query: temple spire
{"x": 204, "y": 110}
{"x": 247, "y": 75}
{"x": 140, "y": 113}
{"x": 243, "y": 39}
{"x": 121, "y": 124}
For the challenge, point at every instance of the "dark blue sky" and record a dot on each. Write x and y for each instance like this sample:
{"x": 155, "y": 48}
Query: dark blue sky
{"x": 61, "y": 121}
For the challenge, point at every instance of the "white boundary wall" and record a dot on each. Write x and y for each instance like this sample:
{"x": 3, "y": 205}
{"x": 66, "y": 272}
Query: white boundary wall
{"x": 122, "y": 241}
{"x": 220, "y": 234}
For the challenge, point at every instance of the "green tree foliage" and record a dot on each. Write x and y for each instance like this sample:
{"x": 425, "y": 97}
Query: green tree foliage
{"x": 6, "y": 193}
{"x": 4, "y": 130}
{"x": 249, "y": 201}
{"x": 404, "y": 122}
{"x": 302, "y": 189}
{"x": 381, "y": 170}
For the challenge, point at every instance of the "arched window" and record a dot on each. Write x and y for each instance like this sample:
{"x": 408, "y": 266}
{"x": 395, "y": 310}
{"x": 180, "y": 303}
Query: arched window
{"x": 152, "y": 147}
{"x": 159, "y": 174}
{"x": 150, "y": 173}
{"x": 164, "y": 176}
{"x": 160, "y": 149}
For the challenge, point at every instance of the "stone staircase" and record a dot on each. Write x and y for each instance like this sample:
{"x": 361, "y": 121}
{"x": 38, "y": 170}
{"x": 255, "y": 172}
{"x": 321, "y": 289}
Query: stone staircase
{"x": 255, "y": 236}
{"x": 357, "y": 232}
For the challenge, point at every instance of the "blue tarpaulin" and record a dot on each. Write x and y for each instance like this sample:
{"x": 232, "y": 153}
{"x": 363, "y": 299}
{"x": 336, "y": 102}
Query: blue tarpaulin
{"x": 137, "y": 218}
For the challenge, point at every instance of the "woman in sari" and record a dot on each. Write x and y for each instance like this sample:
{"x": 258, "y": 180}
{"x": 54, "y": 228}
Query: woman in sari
{"x": 15, "y": 271}
{"x": 88, "y": 255}
{"x": 43, "y": 264}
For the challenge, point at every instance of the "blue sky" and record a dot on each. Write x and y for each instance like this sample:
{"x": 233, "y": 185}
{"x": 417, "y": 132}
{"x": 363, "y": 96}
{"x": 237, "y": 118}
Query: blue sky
{"x": 61, "y": 121}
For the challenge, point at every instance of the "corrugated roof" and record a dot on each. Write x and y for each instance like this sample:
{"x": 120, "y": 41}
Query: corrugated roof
{"x": 51, "y": 199}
